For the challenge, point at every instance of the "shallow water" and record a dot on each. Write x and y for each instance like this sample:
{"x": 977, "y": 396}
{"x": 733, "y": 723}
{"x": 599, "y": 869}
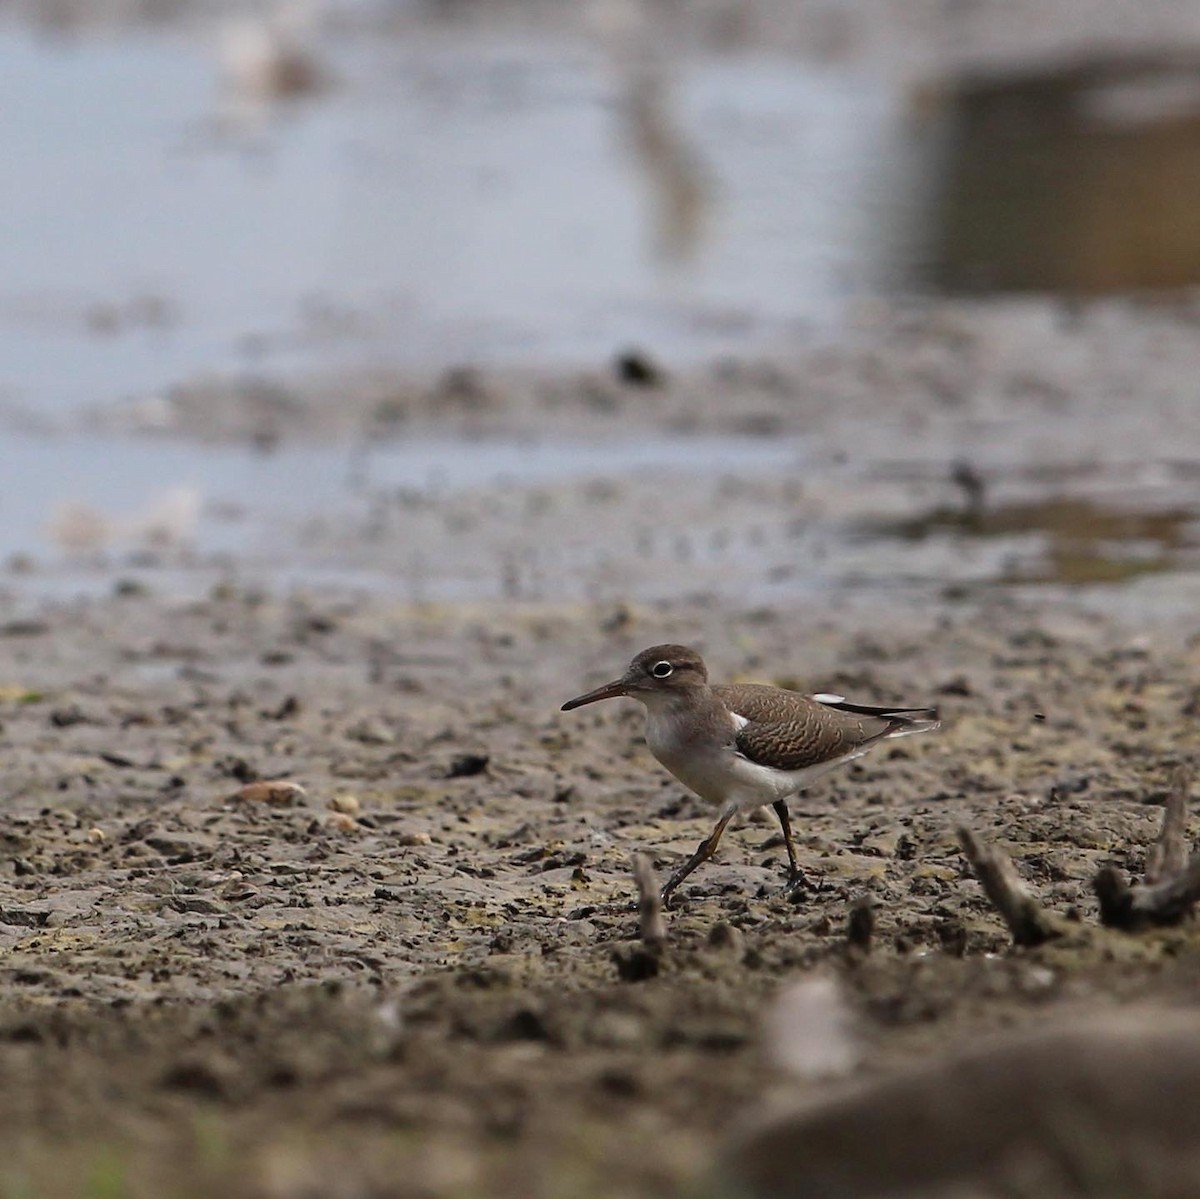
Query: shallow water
{"x": 448, "y": 198}
{"x": 467, "y": 197}
{"x": 456, "y": 196}
{"x": 643, "y": 519}
{"x": 73, "y": 512}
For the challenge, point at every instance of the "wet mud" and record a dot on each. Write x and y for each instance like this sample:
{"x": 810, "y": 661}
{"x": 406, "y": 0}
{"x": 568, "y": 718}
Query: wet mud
{"x": 308, "y": 888}
{"x": 420, "y": 976}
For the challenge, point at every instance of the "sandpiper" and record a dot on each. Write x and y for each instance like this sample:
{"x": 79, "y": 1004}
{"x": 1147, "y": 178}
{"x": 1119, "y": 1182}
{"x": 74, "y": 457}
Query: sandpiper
{"x": 746, "y": 745}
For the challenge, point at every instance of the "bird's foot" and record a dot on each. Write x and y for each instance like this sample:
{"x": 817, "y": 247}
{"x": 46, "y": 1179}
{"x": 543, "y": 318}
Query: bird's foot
{"x": 798, "y": 885}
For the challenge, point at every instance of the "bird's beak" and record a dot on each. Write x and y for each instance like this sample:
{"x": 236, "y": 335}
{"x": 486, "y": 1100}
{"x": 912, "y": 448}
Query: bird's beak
{"x": 608, "y": 691}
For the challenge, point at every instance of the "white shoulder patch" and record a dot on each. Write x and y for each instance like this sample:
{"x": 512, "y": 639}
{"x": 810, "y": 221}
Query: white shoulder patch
{"x": 739, "y": 722}
{"x": 825, "y": 697}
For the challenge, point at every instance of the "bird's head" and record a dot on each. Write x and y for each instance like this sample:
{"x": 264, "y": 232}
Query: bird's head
{"x": 661, "y": 670}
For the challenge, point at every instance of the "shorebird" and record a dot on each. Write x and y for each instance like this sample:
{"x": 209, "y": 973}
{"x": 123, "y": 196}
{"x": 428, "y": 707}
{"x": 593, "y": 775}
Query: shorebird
{"x": 746, "y": 745}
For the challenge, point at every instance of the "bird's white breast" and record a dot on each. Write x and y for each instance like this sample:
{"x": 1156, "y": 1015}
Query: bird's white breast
{"x": 699, "y": 762}
{"x": 715, "y": 771}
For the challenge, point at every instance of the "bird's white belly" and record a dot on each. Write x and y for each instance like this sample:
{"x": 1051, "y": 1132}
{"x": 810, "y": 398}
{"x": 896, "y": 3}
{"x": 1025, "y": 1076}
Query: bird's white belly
{"x": 719, "y": 774}
{"x": 756, "y": 785}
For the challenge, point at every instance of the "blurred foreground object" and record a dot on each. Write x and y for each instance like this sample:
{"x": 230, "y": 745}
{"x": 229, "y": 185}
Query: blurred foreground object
{"x": 810, "y": 1030}
{"x": 1103, "y": 1107}
{"x": 1081, "y": 176}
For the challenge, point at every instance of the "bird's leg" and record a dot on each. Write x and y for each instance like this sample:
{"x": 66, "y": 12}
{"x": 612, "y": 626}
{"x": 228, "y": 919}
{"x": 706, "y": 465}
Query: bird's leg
{"x": 704, "y": 851}
{"x": 795, "y": 874}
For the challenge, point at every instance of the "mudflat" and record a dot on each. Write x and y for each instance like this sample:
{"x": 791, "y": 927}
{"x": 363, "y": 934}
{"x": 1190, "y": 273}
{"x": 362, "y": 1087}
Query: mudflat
{"x": 308, "y": 888}
{"x": 416, "y": 972}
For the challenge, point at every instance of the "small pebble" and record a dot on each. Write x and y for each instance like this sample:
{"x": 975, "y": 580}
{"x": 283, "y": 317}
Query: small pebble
{"x": 467, "y": 765}
{"x": 414, "y": 839}
{"x": 346, "y": 804}
{"x": 342, "y": 822}
{"x": 96, "y": 836}
{"x": 276, "y": 792}
{"x": 637, "y": 367}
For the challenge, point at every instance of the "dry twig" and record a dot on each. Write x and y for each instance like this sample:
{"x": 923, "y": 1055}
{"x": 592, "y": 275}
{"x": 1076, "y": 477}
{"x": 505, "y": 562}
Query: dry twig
{"x": 650, "y": 914}
{"x": 1169, "y": 893}
{"x": 1132, "y": 908}
{"x": 1026, "y": 920}
{"x": 1169, "y": 853}
{"x": 1172, "y": 886}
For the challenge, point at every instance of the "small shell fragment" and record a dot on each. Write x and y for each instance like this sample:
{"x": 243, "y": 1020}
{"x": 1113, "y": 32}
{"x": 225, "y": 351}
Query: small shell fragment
{"x": 346, "y": 804}
{"x": 414, "y": 839}
{"x": 341, "y": 822}
{"x": 96, "y": 836}
{"x": 276, "y": 792}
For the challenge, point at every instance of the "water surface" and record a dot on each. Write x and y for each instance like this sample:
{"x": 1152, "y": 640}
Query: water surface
{"x": 450, "y": 198}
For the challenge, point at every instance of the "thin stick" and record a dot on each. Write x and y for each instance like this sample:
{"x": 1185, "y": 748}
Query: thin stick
{"x": 650, "y": 913}
{"x": 1007, "y": 891}
{"x": 1167, "y": 857}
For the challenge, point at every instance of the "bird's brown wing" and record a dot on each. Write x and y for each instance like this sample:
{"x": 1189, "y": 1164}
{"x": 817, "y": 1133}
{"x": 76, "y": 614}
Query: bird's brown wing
{"x": 790, "y": 731}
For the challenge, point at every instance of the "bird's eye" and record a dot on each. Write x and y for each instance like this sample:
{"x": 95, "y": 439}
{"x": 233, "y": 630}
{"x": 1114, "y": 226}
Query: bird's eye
{"x": 660, "y": 670}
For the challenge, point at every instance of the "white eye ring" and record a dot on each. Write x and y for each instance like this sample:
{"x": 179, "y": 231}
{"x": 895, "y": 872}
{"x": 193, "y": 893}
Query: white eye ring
{"x": 660, "y": 670}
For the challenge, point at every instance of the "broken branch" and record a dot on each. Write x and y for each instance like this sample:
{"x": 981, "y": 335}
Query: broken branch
{"x": 650, "y": 914}
{"x": 1006, "y": 890}
{"x": 1131, "y": 908}
{"x": 1172, "y": 886}
{"x": 1168, "y": 856}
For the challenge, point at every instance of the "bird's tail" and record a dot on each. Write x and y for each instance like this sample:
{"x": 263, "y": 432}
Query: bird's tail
{"x": 905, "y": 721}
{"x": 914, "y": 720}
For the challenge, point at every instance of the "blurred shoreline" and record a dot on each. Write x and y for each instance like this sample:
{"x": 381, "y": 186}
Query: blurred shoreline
{"x": 341, "y": 253}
